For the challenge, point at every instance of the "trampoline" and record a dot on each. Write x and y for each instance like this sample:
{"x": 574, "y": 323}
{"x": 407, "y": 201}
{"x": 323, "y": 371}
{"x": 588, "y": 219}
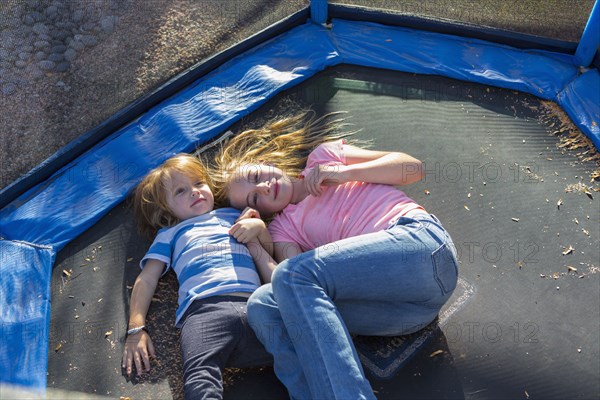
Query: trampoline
{"x": 504, "y": 172}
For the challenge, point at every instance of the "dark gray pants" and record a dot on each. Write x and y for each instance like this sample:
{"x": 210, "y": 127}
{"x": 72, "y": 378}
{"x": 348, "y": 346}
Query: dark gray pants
{"x": 215, "y": 334}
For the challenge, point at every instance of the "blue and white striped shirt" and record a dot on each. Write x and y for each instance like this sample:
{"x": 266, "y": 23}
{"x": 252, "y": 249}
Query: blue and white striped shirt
{"x": 207, "y": 260}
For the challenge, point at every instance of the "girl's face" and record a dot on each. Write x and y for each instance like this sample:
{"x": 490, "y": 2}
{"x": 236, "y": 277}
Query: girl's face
{"x": 262, "y": 187}
{"x": 188, "y": 198}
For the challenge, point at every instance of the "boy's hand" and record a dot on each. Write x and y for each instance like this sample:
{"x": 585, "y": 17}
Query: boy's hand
{"x": 138, "y": 350}
{"x": 247, "y": 229}
{"x": 248, "y": 213}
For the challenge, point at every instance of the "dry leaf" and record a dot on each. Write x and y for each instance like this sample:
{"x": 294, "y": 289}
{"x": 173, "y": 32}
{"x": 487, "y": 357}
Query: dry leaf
{"x": 520, "y": 264}
{"x": 130, "y": 259}
{"x": 542, "y": 276}
{"x": 467, "y": 208}
{"x": 589, "y": 194}
{"x": 67, "y": 273}
{"x": 107, "y": 334}
{"x": 568, "y": 251}
{"x": 58, "y": 347}
{"x": 571, "y": 269}
{"x": 469, "y": 195}
{"x": 555, "y": 275}
{"x": 436, "y": 353}
{"x": 515, "y": 219}
{"x": 585, "y": 231}
{"x": 559, "y": 203}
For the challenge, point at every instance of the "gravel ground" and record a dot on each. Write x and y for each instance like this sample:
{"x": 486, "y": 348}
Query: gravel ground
{"x": 106, "y": 53}
{"x": 66, "y": 65}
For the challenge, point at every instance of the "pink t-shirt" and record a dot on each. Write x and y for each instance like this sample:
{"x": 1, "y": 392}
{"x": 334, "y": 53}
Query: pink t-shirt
{"x": 351, "y": 209}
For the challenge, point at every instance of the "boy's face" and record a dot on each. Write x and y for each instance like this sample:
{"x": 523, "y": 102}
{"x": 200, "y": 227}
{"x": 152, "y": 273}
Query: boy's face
{"x": 187, "y": 198}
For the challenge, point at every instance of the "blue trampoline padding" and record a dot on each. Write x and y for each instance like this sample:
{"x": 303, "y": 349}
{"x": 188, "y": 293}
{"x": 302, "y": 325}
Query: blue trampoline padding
{"x": 73, "y": 199}
{"x": 581, "y": 100}
{"x": 25, "y": 312}
{"x": 374, "y": 45}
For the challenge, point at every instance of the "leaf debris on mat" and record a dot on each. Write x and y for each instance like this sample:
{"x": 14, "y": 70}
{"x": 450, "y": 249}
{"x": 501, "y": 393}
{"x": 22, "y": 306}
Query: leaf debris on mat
{"x": 568, "y": 250}
{"x": 436, "y": 353}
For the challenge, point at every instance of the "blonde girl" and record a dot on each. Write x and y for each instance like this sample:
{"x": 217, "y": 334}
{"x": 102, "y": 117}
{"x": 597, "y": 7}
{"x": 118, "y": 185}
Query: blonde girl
{"x": 356, "y": 254}
{"x": 174, "y": 205}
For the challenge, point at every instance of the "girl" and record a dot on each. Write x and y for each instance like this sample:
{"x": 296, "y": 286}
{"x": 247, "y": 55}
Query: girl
{"x": 356, "y": 254}
{"x": 216, "y": 276}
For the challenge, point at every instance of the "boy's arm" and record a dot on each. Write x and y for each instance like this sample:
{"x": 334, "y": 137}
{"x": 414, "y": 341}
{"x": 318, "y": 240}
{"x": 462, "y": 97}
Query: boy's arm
{"x": 138, "y": 346}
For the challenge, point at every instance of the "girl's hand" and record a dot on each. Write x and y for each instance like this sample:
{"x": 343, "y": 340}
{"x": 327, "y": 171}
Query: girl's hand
{"x": 246, "y": 230}
{"x": 138, "y": 350}
{"x": 324, "y": 175}
{"x": 248, "y": 212}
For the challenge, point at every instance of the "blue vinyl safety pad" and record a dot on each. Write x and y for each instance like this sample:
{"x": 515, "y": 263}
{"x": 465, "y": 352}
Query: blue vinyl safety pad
{"x": 43, "y": 220}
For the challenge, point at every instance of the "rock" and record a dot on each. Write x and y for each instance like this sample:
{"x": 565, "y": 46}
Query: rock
{"x": 77, "y": 45}
{"x": 8, "y": 89}
{"x": 58, "y": 49}
{"x": 78, "y": 16}
{"x": 89, "y": 40}
{"x": 28, "y": 19}
{"x": 70, "y": 54}
{"x": 46, "y": 65}
{"x": 41, "y": 28}
{"x": 66, "y": 25}
{"x": 26, "y": 48}
{"x": 63, "y": 66}
{"x": 56, "y": 57}
{"x": 52, "y": 12}
{"x": 108, "y": 23}
{"x": 60, "y": 34}
{"x": 88, "y": 26}
{"x": 34, "y": 3}
{"x": 40, "y": 44}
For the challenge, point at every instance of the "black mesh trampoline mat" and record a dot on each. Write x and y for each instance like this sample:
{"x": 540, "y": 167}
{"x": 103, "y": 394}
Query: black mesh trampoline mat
{"x": 524, "y": 217}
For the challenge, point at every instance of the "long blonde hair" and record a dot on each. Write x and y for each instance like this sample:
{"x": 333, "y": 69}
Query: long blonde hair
{"x": 150, "y": 198}
{"x": 284, "y": 143}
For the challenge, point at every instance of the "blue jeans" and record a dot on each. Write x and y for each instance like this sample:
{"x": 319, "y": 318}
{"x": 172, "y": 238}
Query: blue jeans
{"x": 390, "y": 282}
{"x": 215, "y": 334}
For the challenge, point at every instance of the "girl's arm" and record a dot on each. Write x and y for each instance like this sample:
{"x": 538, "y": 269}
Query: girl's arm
{"x": 285, "y": 250}
{"x": 386, "y": 167}
{"x": 262, "y": 259}
{"x": 138, "y": 347}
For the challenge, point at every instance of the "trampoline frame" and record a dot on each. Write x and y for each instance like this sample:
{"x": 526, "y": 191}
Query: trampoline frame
{"x": 68, "y": 193}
